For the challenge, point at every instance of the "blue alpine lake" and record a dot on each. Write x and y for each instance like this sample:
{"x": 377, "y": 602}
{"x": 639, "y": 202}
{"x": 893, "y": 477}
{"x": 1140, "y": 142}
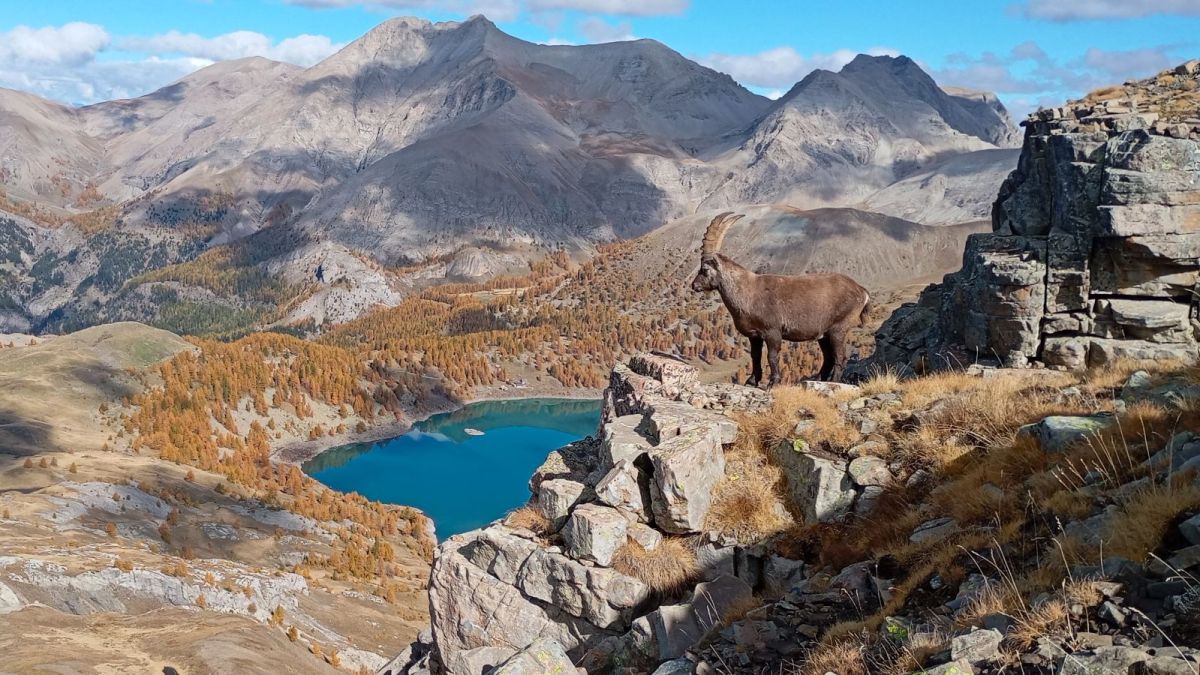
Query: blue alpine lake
{"x": 462, "y": 479}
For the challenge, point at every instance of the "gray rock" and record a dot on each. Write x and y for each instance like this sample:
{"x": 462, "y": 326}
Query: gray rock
{"x": 818, "y": 487}
{"x": 932, "y": 530}
{"x": 869, "y": 471}
{"x": 780, "y": 574}
{"x": 951, "y": 668}
{"x": 1190, "y": 529}
{"x": 1104, "y": 352}
{"x": 1138, "y": 381}
{"x": 1164, "y": 665}
{"x": 686, "y": 469}
{"x": 622, "y": 440}
{"x": 542, "y": 657}
{"x": 1102, "y": 660}
{"x": 676, "y": 628}
{"x": 1058, "y": 432}
{"x": 600, "y": 596}
{"x": 625, "y": 487}
{"x": 556, "y": 497}
{"x": 675, "y": 667}
{"x": 493, "y": 613}
{"x": 976, "y": 647}
{"x": 647, "y": 537}
{"x": 715, "y": 560}
{"x": 594, "y": 532}
{"x": 479, "y": 660}
{"x": 868, "y": 499}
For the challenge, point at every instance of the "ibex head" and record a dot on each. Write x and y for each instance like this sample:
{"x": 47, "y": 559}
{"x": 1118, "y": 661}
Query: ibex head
{"x": 709, "y": 276}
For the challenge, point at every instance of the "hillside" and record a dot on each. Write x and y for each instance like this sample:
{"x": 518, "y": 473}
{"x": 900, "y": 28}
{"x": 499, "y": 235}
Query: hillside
{"x": 423, "y": 153}
{"x": 116, "y": 547}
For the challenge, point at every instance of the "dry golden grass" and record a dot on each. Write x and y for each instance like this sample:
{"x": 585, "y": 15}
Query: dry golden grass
{"x": 738, "y": 610}
{"x": 529, "y": 518}
{"x": 1049, "y": 618}
{"x": 790, "y": 405}
{"x": 745, "y": 502}
{"x": 844, "y": 657}
{"x": 917, "y": 650}
{"x": 881, "y": 382}
{"x": 1138, "y": 527}
{"x": 1110, "y": 378}
{"x": 668, "y": 570}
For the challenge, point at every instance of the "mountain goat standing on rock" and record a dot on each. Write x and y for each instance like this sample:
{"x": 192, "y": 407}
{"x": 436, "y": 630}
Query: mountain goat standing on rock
{"x": 771, "y": 308}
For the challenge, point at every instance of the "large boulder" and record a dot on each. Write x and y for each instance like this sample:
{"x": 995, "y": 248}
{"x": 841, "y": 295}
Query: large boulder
{"x": 494, "y": 612}
{"x": 627, "y": 488}
{"x": 676, "y": 628}
{"x": 594, "y": 532}
{"x": 686, "y": 468}
{"x": 819, "y": 488}
{"x": 556, "y": 497}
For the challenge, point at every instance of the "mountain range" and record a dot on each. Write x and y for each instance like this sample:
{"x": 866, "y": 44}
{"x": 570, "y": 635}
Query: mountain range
{"x": 425, "y": 151}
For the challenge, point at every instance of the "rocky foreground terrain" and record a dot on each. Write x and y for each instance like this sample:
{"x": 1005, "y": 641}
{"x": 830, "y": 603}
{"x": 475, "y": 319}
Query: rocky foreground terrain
{"x": 987, "y": 521}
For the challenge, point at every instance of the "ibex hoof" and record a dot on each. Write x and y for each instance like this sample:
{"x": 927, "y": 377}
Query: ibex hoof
{"x": 752, "y": 382}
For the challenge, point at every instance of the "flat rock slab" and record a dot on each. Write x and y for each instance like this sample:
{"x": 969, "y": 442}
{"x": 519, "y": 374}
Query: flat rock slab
{"x": 676, "y": 628}
{"x": 543, "y": 657}
{"x": 1058, "y": 432}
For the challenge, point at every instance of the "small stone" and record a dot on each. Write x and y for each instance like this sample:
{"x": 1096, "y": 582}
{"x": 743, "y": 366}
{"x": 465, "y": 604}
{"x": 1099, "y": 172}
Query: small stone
{"x": 1058, "y": 432}
{"x": 938, "y": 528}
{"x": 961, "y": 667}
{"x": 869, "y": 470}
{"x": 1102, "y": 660}
{"x": 1111, "y": 613}
{"x": 978, "y": 646}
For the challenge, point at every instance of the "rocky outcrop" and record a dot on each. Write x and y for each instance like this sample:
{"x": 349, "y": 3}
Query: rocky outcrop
{"x": 648, "y": 474}
{"x": 1094, "y": 253}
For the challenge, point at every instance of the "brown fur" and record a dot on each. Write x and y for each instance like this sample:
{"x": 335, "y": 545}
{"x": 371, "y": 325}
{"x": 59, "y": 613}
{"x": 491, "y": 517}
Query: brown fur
{"x": 770, "y": 308}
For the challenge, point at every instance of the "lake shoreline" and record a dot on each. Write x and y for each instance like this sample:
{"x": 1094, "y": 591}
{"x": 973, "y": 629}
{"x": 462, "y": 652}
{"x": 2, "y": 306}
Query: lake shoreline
{"x": 300, "y": 452}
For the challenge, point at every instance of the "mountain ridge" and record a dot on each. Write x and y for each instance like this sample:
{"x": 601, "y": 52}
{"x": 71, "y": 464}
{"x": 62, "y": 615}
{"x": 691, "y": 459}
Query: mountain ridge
{"x": 419, "y": 141}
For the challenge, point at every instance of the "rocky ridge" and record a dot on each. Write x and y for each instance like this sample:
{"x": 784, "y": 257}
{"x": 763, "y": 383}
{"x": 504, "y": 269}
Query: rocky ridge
{"x": 1094, "y": 253}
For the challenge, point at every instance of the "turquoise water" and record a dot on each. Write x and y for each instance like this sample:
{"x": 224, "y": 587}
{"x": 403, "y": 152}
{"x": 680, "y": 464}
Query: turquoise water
{"x": 461, "y": 481}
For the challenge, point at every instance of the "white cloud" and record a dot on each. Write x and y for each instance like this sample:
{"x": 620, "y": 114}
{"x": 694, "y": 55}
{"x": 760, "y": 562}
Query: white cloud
{"x": 303, "y": 50}
{"x": 1077, "y": 10}
{"x": 598, "y": 30}
{"x": 71, "y": 44}
{"x": 615, "y": 7}
{"x": 782, "y": 66}
{"x": 81, "y": 63}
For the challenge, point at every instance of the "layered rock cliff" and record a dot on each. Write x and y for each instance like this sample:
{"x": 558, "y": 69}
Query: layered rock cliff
{"x": 1094, "y": 253}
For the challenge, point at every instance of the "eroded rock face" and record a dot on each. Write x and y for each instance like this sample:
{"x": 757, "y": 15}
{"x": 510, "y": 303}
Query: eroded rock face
{"x": 650, "y": 474}
{"x": 1095, "y": 250}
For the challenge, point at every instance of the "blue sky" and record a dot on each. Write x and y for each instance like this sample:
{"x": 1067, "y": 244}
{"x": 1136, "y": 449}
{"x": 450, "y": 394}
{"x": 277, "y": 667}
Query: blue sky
{"x": 1030, "y": 52}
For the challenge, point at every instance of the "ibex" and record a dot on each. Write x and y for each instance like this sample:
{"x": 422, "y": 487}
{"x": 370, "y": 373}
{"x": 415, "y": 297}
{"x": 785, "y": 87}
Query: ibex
{"x": 771, "y": 308}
